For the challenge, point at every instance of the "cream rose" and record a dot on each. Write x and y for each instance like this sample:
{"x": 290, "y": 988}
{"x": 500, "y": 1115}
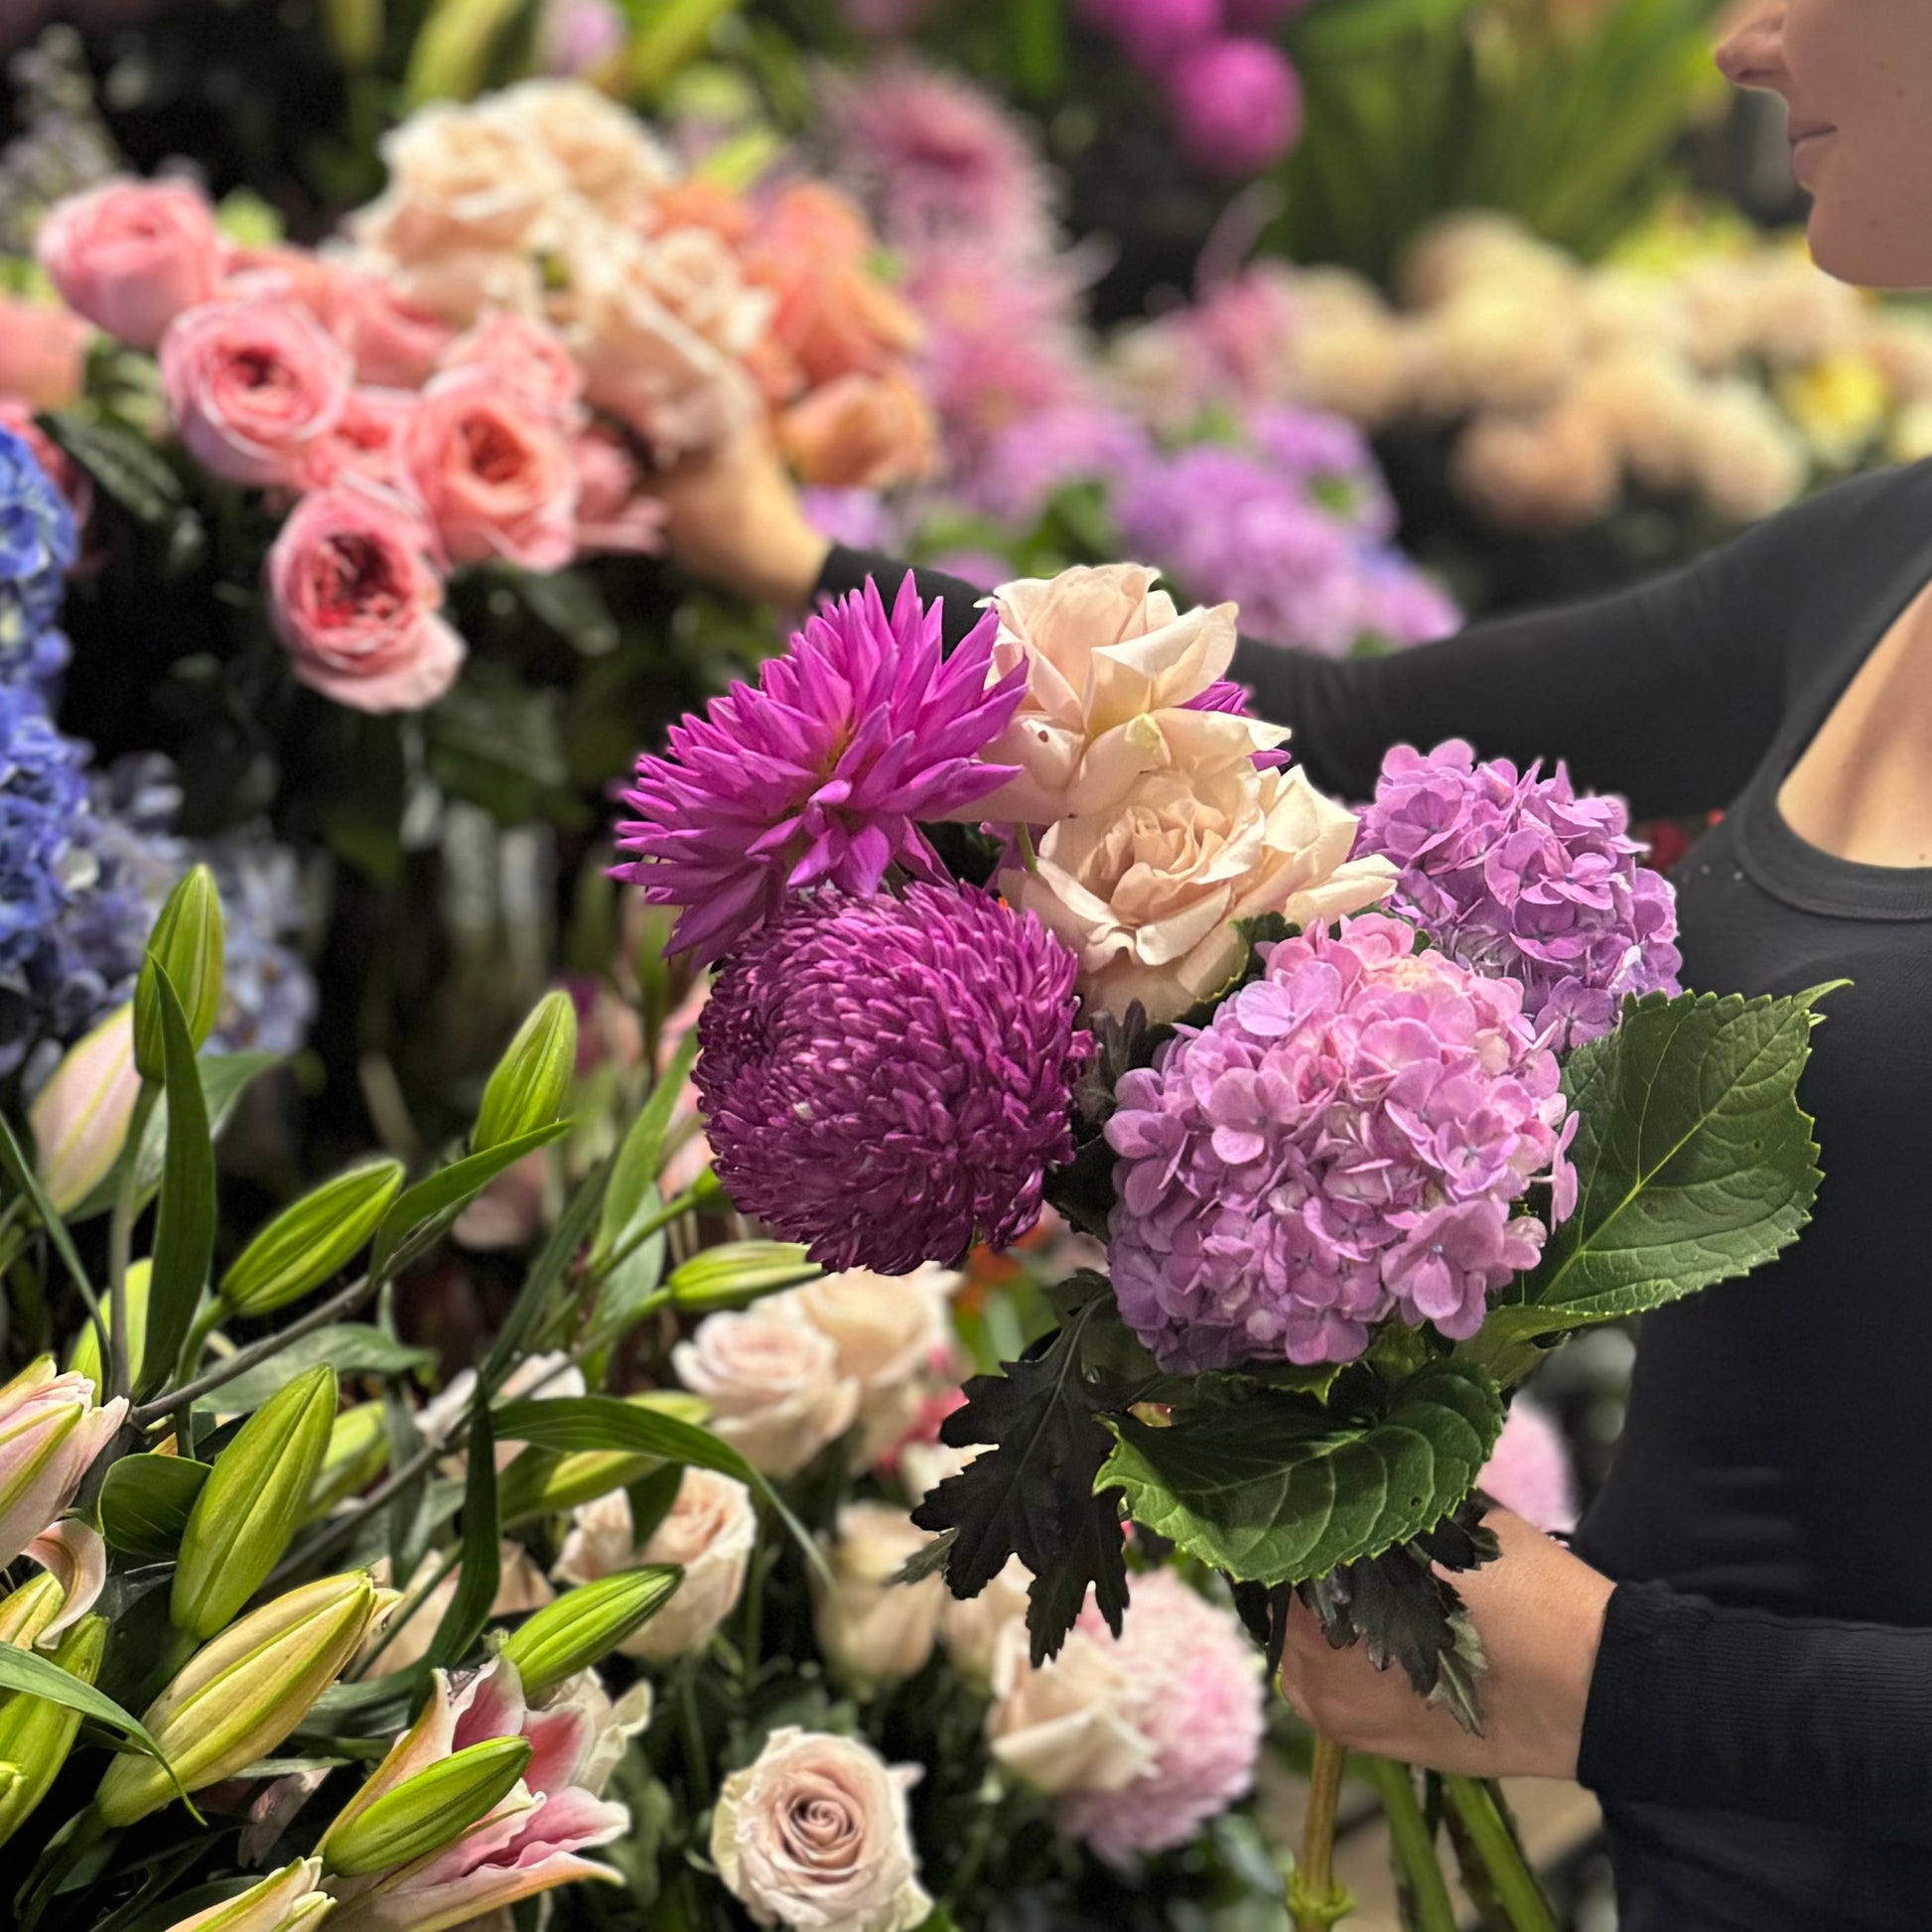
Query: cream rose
{"x": 1070, "y": 1724}
{"x": 1146, "y": 893}
{"x": 773, "y": 1386}
{"x": 709, "y": 1531}
{"x": 972, "y": 1629}
{"x": 872, "y": 1629}
{"x": 1110, "y": 665}
{"x": 815, "y": 1834}
{"x": 604, "y": 151}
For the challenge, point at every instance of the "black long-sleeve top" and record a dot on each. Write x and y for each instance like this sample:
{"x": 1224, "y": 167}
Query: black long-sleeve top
{"x": 1760, "y": 1725}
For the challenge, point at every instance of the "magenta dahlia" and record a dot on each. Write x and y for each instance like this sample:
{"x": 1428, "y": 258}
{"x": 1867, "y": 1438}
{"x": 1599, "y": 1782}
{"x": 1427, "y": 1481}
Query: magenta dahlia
{"x": 1347, "y": 1139}
{"x": 888, "y": 1079}
{"x": 820, "y": 774}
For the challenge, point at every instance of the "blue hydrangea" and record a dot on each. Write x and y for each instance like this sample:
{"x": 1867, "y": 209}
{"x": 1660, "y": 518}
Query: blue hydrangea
{"x": 38, "y": 546}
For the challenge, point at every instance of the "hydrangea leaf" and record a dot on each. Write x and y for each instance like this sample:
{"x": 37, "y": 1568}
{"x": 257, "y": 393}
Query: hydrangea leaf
{"x": 1695, "y": 1161}
{"x": 1276, "y": 1489}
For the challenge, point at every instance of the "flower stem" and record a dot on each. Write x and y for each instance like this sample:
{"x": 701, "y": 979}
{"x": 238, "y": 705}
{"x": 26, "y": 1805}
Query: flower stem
{"x": 1414, "y": 1845}
{"x": 1488, "y": 1831}
{"x": 120, "y": 1238}
{"x": 1314, "y": 1900}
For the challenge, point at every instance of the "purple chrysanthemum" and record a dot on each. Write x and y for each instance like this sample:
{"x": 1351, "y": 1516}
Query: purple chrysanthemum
{"x": 887, "y": 1079}
{"x": 1519, "y": 876}
{"x": 1347, "y": 1139}
{"x": 820, "y": 772}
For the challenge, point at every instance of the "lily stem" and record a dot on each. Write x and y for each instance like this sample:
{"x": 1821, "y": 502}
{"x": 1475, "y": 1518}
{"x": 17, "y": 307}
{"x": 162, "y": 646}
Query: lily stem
{"x": 1487, "y": 1831}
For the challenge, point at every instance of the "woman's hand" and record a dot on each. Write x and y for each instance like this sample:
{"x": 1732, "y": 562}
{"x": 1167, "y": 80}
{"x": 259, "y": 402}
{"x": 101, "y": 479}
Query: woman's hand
{"x": 734, "y": 520}
{"x": 1538, "y": 1612}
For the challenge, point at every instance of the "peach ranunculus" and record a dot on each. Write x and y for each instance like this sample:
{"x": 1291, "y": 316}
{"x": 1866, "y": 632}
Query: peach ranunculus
{"x": 521, "y": 1588}
{"x": 462, "y": 182}
{"x": 873, "y": 1630}
{"x": 527, "y": 357}
{"x": 607, "y": 156}
{"x": 773, "y": 1386}
{"x": 1147, "y": 891}
{"x": 861, "y": 432}
{"x": 815, "y": 1834}
{"x": 709, "y": 1531}
{"x": 131, "y": 255}
{"x": 1111, "y": 665}
{"x": 392, "y": 345}
{"x": 492, "y": 475}
{"x": 255, "y": 388}
{"x": 615, "y": 514}
{"x": 43, "y": 353}
{"x": 353, "y": 599}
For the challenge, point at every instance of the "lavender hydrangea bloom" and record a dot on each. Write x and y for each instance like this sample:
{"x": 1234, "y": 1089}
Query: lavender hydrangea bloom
{"x": 1024, "y": 464}
{"x": 819, "y": 773}
{"x": 38, "y": 546}
{"x": 888, "y": 1080}
{"x": 1519, "y": 876}
{"x": 1347, "y": 1140}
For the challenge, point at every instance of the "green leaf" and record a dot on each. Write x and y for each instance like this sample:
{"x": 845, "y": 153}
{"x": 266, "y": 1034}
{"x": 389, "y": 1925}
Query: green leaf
{"x": 631, "y": 1195}
{"x": 436, "y": 1201}
{"x": 25, "y": 1670}
{"x": 21, "y": 1172}
{"x": 736, "y": 1272}
{"x": 1695, "y": 1161}
{"x": 478, "y": 1577}
{"x": 184, "y": 1241}
{"x": 124, "y": 465}
{"x": 1033, "y": 1491}
{"x": 145, "y": 1502}
{"x": 566, "y": 1238}
{"x": 349, "y": 1347}
{"x": 1276, "y": 1490}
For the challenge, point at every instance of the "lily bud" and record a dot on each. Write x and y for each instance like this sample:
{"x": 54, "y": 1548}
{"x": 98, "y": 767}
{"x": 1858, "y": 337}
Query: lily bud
{"x": 288, "y": 1900}
{"x": 240, "y": 1695}
{"x": 252, "y": 1503}
{"x": 36, "y": 1734}
{"x": 28, "y": 1613}
{"x": 547, "y": 1482}
{"x": 49, "y": 1431}
{"x": 358, "y": 1452}
{"x": 80, "y": 1117}
{"x": 83, "y": 1358}
{"x": 311, "y": 1238}
{"x": 187, "y": 944}
{"x": 527, "y": 1089}
{"x": 587, "y": 1623}
{"x": 422, "y": 1814}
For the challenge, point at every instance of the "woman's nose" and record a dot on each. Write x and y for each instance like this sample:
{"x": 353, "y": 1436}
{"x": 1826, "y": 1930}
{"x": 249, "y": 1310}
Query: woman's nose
{"x": 1751, "y": 54}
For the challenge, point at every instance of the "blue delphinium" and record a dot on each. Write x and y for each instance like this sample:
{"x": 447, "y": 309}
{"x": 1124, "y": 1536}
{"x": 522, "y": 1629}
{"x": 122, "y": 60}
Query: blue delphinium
{"x": 38, "y": 546}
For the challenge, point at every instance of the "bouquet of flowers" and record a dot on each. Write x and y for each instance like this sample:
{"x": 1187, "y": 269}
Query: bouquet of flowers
{"x": 1369, "y": 1111}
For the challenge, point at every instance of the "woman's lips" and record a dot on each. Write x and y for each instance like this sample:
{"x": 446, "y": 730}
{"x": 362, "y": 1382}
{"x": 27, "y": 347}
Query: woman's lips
{"x": 1808, "y": 142}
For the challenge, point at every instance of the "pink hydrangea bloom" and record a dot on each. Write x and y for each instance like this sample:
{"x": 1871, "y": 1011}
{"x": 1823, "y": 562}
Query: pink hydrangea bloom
{"x": 1199, "y": 1699}
{"x": 1347, "y": 1140}
{"x": 821, "y": 772}
{"x": 1529, "y": 1470}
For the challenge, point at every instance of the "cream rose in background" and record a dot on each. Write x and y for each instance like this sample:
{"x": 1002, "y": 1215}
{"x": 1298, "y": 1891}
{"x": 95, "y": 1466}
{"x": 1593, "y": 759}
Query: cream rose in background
{"x": 815, "y": 1834}
{"x": 707, "y": 1532}
{"x": 873, "y": 1630}
{"x": 972, "y": 1629}
{"x": 773, "y": 1385}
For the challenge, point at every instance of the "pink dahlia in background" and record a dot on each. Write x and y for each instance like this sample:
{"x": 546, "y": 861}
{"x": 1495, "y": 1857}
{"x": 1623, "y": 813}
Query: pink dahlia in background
{"x": 820, "y": 774}
{"x": 1518, "y": 876}
{"x": 1347, "y": 1139}
{"x": 1237, "y": 106}
{"x": 887, "y": 1079}
{"x": 1139, "y": 1739}
{"x": 1529, "y": 1470}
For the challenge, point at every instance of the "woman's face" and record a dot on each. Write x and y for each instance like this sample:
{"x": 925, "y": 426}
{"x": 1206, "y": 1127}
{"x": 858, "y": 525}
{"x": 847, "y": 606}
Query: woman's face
{"x": 1857, "y": 77}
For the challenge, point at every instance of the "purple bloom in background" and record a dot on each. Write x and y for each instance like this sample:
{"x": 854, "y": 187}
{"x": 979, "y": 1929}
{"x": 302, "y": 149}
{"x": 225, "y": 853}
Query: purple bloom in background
{"x": 820, "y": 772}
{"x": 860, "y": 519}
{"x": 1519, "y": 876}
{"x": 888, "y": 1080}
{"x": 577, "y": 34}
{"x": 1024, "y": 464}
{"x": 1345, "y": 1141}
{"x": 1153, "y": 32}
{"x": 1237, "y": 106}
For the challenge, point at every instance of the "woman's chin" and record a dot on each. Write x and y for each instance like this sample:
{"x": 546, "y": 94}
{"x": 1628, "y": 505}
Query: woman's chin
{"x": 1851, "y": 247}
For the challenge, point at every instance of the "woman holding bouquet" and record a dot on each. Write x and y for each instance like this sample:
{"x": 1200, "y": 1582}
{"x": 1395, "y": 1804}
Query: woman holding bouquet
{"x": 1738, "y": 1656}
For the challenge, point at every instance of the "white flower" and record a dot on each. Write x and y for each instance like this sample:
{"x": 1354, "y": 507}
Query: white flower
{"x": 773, "y": 1386}
{"x": 606, "y": 154}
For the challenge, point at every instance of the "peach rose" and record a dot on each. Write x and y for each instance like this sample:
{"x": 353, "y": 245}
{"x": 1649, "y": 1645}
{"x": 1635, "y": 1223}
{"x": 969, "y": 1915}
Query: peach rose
{"x": 773, "y": 1386}
{"x": 1147, "y": 891}
{"x": 255, "y": 388}
{"x": 1111, "y": 664}
{"x": 605, "y": 155}
{"x": 459, "y": 286}
{"x": 709, "y": 1531}
{"x": 527, "y": 357}
{"x": 814, "y": 1834}
{"x": 393, "y": 345}
{"x": 873, "y": 1630}
{"x": 615, "y": 512}
{"x": 1543, "y": 472}
{"x": 131, "y": 255}
{"x": 861, "y": 432}
{"x": 492, "y": 476}
{"x": 462, "y": 181}
{"x": 354, "y": 601}
{"x": 43, "y": 353}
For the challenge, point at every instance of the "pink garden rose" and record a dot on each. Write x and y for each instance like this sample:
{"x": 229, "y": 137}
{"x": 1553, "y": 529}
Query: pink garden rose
{"x": 393, "y": 345}
{"x": 615, "y": 512}
{"x": 365, "y": 439}
{"x": 492, "y": 475}
{"x": 527, "y": 357}
{"x": 354, "y": 597}
{"x": 295, "y": 275}
{"x": 43, "y": 353}
{"x": 255, "y": 388}
{"x": 131, "y": 255}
